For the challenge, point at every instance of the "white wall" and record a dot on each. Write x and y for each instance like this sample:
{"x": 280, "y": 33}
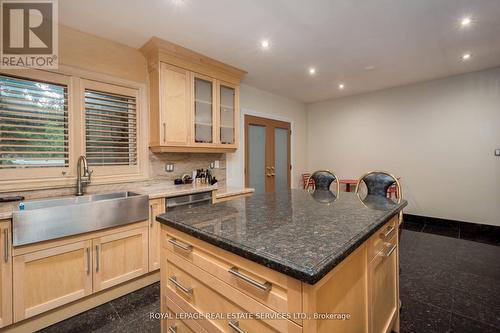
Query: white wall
{"x": 439, "y": 136}
{"x": 264, "y": 104}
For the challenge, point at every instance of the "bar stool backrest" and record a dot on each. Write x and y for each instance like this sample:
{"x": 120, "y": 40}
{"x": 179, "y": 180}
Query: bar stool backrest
{"x": 378, "y": 183}
{"x": 323, "y": 179}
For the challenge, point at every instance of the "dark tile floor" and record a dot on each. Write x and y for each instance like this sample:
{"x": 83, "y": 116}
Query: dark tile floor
{"x": 447, "y": 284}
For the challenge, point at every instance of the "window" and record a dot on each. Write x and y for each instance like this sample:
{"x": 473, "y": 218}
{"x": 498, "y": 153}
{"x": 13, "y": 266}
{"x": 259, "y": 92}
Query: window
{"x": 111, "y": 124}
{"x": 110, "y": 129}
{"x": 47, "y": 120}
{"x": 34, "y": 129}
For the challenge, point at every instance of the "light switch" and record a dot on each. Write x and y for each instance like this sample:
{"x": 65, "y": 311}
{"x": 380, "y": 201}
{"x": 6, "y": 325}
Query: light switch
{"x": 169, "y": 167}
{"x": 497, "y": 152}
{"x": 216, "y": 164}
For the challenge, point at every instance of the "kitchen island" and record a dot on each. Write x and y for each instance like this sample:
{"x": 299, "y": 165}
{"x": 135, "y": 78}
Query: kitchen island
{"x": 282, "y": 262}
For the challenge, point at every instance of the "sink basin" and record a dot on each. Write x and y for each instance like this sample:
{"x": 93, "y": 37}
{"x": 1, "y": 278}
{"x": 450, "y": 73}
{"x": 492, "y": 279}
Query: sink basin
{"x": 43, "y": 220}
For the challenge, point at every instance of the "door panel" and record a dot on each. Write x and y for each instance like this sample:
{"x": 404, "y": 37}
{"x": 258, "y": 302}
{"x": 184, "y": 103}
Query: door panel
{"x": 5, "y": 275}
{"x": 282, "y": 166}
{"x": 174, "y": 105}
{"x": 156, "y": 207}
{"x": 257, "y": 157}
{"x": 267, "y": 139}
{"x": 46, "y": 279}
{"x": 120, "y": 257}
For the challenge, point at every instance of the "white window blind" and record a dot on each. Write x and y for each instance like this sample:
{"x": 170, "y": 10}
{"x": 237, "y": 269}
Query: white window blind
{"x": 110, "y": 129}
{"x": 33, "y": 124}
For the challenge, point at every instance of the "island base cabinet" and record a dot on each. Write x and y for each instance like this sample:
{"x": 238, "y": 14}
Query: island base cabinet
{"x": 383, "y": 292}
{"x": 5, "y": 275}
{"x": 46, "y": 279}
{"x": 120, "y": 257}
{"x": 196, "y": 291}
{"x": 343, "y": 291}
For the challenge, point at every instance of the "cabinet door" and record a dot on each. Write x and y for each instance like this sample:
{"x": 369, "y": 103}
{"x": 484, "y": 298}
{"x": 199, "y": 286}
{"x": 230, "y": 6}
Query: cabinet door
{"x": 175, "y": 120}
{"x": 204, "y": 109}
{"x": 120, "y": 257}
{"x": 5, "y": 275}
{"x": 384, "y": 288}
{"x": 156, "y": 207}
{"x": 46, "y": 279}
{"x": 228, "y": 114}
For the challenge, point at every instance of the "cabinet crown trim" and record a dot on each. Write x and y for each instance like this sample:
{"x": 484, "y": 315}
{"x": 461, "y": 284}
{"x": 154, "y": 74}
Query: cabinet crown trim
{"x": 157, "y": 49}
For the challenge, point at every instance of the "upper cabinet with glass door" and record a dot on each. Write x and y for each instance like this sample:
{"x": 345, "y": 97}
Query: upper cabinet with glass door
{"x": 204, "y": 103}
{"x": 228, "y": 114}
{"x": 194, "y": 100}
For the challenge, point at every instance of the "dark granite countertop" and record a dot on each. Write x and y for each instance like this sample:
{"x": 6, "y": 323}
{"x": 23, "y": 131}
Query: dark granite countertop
{"x": 295, "y": 233}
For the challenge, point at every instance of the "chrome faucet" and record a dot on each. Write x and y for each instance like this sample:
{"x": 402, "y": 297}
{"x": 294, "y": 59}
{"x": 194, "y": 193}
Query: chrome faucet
{"x": 82, "y": 180}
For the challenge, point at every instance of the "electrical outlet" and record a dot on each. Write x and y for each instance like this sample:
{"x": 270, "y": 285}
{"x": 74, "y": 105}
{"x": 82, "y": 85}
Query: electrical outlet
{"x": 497, "y": 152}
{"x": 169, "y": 167}
{"x": 216, "y": 164}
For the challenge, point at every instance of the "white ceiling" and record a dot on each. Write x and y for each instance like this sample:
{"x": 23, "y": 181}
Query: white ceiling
{"x": 405, "y": 40}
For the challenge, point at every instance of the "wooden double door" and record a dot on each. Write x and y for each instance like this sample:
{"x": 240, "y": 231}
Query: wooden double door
{"x": 267, "y": 154}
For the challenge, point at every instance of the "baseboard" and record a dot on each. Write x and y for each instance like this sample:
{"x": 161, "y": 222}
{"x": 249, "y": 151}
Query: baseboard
{"x": 483, "y": 233}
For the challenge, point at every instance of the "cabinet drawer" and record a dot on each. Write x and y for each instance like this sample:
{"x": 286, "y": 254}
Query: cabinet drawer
{"x": 174, "y": 323}
{"x": 377, "y": 241}
{"x": 196, "y": 291}
{"x": 277, "y": 291}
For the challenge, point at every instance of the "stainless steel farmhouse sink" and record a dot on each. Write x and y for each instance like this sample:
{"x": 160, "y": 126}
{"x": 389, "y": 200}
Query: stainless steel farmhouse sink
{"x": 43, "y": 220}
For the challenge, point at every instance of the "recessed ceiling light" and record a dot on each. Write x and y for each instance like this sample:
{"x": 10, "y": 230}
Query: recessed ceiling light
{"x": 265, "y": 44}
{"x": 466, "y": 21}
{"x": 466, "y": 56}
{"x": 178, "y": 3}
{"x": 312, "y": 71}
{"x": 341, "y": 86}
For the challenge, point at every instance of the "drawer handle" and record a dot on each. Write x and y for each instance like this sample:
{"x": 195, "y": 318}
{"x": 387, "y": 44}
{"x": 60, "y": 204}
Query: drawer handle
{"x": 173, "y": 279}
{"x": 389, "y": 231}
{"x": 235, "y": 326}
{"x": 391, "y": 249}
{"x": 172, "y": 329}
{"x": 185, "y": 247}
{"x": 266, "y": 286}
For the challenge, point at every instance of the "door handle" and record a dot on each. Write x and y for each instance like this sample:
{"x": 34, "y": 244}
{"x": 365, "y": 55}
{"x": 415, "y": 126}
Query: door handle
{"x": 88, "y": 260}
{"x": 151, "y": 216}
{"x": 97, "y": 258}
{"x": 6, "y": 245}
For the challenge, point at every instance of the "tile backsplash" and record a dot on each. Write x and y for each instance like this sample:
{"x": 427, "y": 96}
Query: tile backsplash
{"x": 185, "y": 163}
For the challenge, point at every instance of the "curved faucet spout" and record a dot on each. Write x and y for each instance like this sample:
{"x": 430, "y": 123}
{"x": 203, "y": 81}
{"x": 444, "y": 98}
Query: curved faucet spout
{"x": 84, "y": 179}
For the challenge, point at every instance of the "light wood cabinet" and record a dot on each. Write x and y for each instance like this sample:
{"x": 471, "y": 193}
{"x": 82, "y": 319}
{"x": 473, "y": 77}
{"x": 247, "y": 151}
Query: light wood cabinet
{"x": 362, "y": 291}
{"x": 228, "y": 115}
{"x": 5, "y": 274}
{"x": 384, "y": 297}
{"x": 46, "y": 279}
{"x": 194, "y": 100}
{"x": 174, "y": 107}
{"x": 156, "y": 207}
{"x": 120, "y": 257}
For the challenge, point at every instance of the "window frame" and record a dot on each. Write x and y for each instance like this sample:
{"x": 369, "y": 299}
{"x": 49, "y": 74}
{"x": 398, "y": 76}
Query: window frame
{"x": 60, "y": 175}
{"x": 104, "y": 172}
{"x": 77, "y": 80}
